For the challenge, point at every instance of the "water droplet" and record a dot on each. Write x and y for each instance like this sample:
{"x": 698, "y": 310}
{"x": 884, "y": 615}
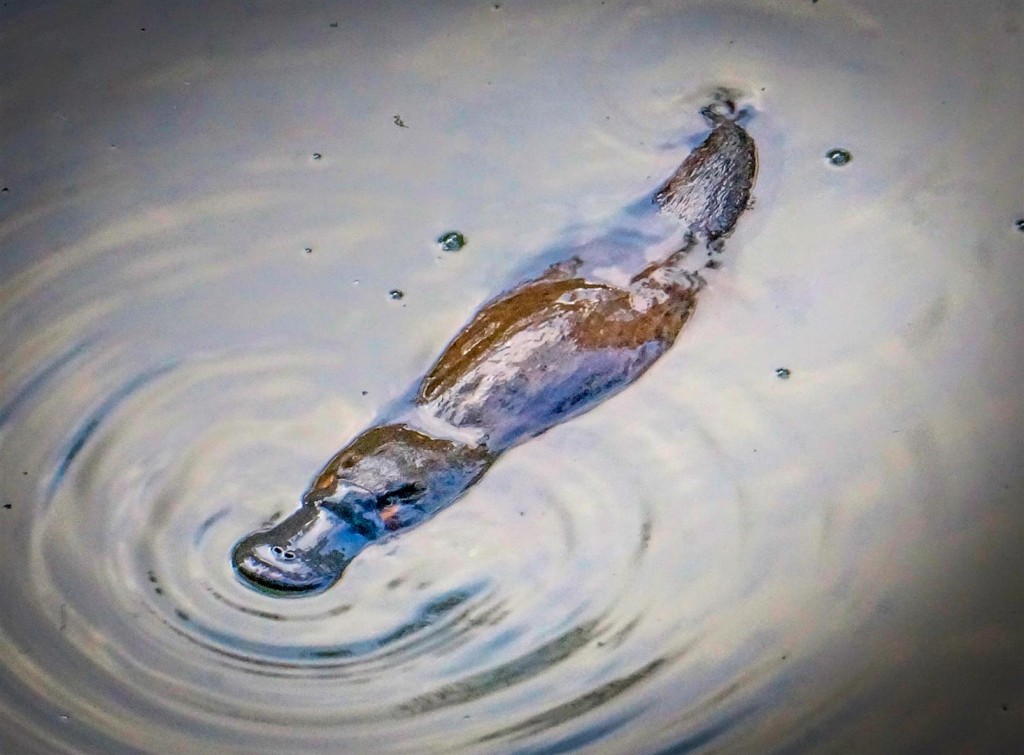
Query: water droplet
{"x": 1019, "y": 225}
{"x": 838, "y": 157}
{"x": 396, "y": 294}
{"x": 782, "y": 372}
{"x": 317, "y": 156}
{"x": 452, "y": 241}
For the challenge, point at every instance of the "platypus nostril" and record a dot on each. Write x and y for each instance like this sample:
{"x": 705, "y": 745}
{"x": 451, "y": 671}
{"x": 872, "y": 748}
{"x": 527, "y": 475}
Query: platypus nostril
{"x": 270, "y": 575}
{"x": 302, "y": 555}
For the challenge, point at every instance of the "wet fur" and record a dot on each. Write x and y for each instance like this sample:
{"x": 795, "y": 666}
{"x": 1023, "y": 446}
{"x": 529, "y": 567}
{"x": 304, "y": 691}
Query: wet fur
{"x": 549, "y": 349}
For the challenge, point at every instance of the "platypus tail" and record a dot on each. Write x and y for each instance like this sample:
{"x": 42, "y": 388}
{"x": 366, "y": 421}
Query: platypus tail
{"x": 711, "y": 189}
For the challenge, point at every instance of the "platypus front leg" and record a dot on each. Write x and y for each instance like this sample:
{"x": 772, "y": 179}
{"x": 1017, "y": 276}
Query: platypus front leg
{"x": 563, "y": 270}
{"x": 662, "y": 282}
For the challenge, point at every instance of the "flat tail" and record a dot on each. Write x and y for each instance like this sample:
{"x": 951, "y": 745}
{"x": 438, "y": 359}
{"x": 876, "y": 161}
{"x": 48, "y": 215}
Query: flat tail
{"x": 711, "y": 189}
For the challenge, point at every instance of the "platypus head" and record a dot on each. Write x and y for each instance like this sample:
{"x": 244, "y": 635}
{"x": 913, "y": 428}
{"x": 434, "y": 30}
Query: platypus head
{"x": 307, "y": 552}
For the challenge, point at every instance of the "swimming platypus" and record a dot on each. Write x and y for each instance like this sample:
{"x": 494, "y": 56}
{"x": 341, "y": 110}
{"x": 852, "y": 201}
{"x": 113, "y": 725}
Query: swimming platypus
{"x": 549, "y": 349}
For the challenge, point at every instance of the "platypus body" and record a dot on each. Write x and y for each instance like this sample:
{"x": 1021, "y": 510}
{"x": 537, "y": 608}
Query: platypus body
{"x": 549, "y": 349}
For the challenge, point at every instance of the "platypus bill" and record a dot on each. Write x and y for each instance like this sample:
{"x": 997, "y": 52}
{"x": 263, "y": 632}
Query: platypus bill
{"x": 549, "y": 349}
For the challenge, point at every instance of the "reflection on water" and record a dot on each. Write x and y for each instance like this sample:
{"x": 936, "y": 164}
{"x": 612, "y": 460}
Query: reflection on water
{"x": 717, "y": 559}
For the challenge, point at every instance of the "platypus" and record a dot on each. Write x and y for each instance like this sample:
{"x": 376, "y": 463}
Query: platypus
{"x": 543, "y": 352}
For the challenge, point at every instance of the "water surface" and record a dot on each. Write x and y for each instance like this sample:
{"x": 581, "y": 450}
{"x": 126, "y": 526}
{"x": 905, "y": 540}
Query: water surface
{"x": 205, "y": 214}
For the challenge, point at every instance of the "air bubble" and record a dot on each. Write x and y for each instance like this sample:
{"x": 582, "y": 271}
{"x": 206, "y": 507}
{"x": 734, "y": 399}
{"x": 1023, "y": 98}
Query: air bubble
{"x": 1019, "y": 225}
{"x": 838, "y": 157}
{"x": 452, "y": 241}
{"x": 782, "y": 373}
{"x": 396, "y": 294}
{"x": 308, "y": 250}
{"x": 317, "y": 156}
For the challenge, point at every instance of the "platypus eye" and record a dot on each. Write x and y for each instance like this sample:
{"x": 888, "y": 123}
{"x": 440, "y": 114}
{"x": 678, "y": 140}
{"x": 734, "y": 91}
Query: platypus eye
{"x": 403, "y": 492}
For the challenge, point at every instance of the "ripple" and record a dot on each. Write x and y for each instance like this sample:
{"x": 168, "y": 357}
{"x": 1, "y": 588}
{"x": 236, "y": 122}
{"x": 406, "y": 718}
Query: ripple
{"x": 713, "y": 559}
{"x": 136, "y": 462}
{"x": 127, "y": 553}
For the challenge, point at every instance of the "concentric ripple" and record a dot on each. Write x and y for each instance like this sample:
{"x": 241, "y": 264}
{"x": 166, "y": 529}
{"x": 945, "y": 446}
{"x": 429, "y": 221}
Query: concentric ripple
{"x": 135, "y": 465}
{"x": 203, "y": 214}
{"x": 495, "y": 601}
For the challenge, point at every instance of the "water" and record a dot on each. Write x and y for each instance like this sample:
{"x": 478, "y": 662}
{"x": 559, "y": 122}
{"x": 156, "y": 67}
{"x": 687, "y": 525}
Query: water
{"x": 452, "y": 241}
{"x": 838, "y": 157}
{"x": 715, "y": 560}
